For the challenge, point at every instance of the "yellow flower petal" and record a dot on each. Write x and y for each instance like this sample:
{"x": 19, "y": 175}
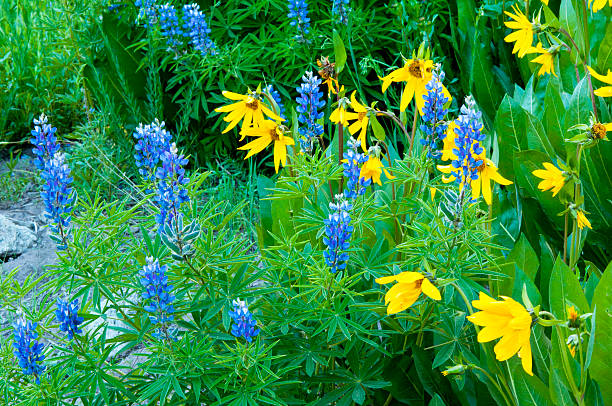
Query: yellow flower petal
{"x": 430, "y": 290}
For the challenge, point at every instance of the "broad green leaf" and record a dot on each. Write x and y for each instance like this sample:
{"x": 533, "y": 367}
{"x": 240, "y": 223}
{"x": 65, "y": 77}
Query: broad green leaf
{"x": 379, "y": 131}
{"x": 604, "y": 57}
{"x": 554, "y": 114}
{"x": 522, "y": 257}
{"x": 565, "y": 290}
{"x": 580, "y": 107}
{"x": 602, "y": 348}
{"x": 510, "y": 129}
{"x": 339, "y": 52}
{"x": 530, "y": 390}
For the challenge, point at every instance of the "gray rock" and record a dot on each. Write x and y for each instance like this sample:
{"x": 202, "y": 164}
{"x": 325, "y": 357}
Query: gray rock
{"x": 14, "y": 239}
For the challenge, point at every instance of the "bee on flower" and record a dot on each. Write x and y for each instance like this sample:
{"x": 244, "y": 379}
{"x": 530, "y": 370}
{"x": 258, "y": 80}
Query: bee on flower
{"x": 250, "y": 108}
{"x": 267, "y": 133}
{"x": 407, "y": 290}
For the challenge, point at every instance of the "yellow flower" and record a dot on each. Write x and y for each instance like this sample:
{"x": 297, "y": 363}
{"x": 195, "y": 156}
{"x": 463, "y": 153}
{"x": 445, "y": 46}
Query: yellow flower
{"x": 268, "y": 132}
{"x": 449, "y": 143}
{"x": 340, "y": 115}
{"x": 572, "y": 349}
{"x": 416, "y": 73}
{"x": 361, "y": 123}
{"x": 553, "y": 178}
{"x": 407, "y": 290}
{"x": 599, "y": 4}
{"x": 582, "y": 220}
{"x": 509, "y": 320}
{"x": 249, "y": 107}
{"x": 605, "y": 91}
{"x": 487, "y": 172}
{"x": 523, "y": 36}
{"x": 599, "y": 130}
{"x": 545, "y": 2}
{"x": 546, "y": 59}
{"x": 572, "y": 314}
{"x": 372, "y": 169}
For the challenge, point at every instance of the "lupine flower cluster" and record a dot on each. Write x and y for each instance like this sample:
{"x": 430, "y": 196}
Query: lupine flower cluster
{"x": 171, "y": 193}
{"x": 434, "y": 127}
{"x": 67, "y": 315}
{"x": 298, "y": 13}
{"x": 196, "y": 28}
{"x": 244, "y": 324}
{"x": 57, "y": 193}
{"x": 157, "y": 295}
{"x": 44, "y": 141}
{"x": 147, "y": 11}
{"x": 341, "y": 10}
{"x": 277, "y": 98}
{"x": 338, "y": 231}
{"x": 355, "y": 185}
{"x": 27, "y": 350}
{"x": 309, "y": 102}
{"x": 169, "y": 24}
{"x": 153, "y": 141}
{"x": 469, "y": 135}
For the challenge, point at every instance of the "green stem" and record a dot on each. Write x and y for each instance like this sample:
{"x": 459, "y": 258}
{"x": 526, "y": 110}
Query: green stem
{"x": 494, "y": 382}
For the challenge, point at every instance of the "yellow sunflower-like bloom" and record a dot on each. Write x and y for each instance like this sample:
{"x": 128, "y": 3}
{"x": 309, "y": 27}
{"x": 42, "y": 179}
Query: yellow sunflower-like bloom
{"x": 416, "y": 73}
{"x": 582, "y": 221}
{"x": 599, "y": 130}
{"x": 248, "y": 107}
{"x": 372, "y": 169}
{"x": 605, "y": 91}
{"x": 546, "y": 59}
{"x": 341, "y": 115}
{"x": 361, "y": 120}
{"x": 268, "y": 132}
{"x": 449, "y": 143}
{"x": 599, "y": 4}
{"x": 553, "y": 178}
{"x": 523, "y": 34}
{"x": 572, "y": 314}
{"x": 545, "y": 2}
{"x": 407, "y": 290}
{"x": 509, "y": 320}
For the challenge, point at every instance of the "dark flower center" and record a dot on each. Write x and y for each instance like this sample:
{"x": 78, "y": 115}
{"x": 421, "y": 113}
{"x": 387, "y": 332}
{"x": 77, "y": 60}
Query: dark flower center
{"x": 598, "y": 130}
{"x": 361, "y": 115}
{"x": 274, "y": 134}
{"x": 416, "y": 69}
{"x": 253, "y": 105}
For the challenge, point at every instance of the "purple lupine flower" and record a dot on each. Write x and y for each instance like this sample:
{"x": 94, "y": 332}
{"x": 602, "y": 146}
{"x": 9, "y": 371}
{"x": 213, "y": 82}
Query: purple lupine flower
{"x": 57, "y": 195}
{"x": 309, "y": 102}
{"x": 44, "y": 141}
{"x": 147, "y": 11}
{"x": 171, "y": 193}
{"x": 153, "y": 141}
{"x": 27, "y": 350}
{"x": 277, "y": 98}
{"x": 338, "y": 231}
{"x": 355, "y": 185}
{"x": 157, "y": 295}
{"x": 434, "y": 127}
{"x": 298, "y": 13}
{"x": 244, "y": 324}
{"x": 469, "y": 135}
{"x": 196, "y": 28}
{"x": 341, "y": 10}
{"x": 170, "y": 26}
{"x": 67, "y": 314}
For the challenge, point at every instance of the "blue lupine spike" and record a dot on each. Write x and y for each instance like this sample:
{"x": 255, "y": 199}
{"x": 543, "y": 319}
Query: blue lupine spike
{"x": 434, "y": 127}
{"x": 310, "y": 101}
{"x": 157, "y": 294}
{"x": 67, "y": 315}
{"x": 341, "y": 10}
{"x": 196, "y": 28}
{"x": 338, "y": 231}
{"x": 147, "y": 11}
{"x": 468, "y": 137}
{"x": 170, "y": 26}
{"x": 244, "y": 325}
{"x": 44, "y": 141}
{"x": 27, "y": 350}
{"x": 277, "y": 98}
{"x": 298, "y": 14}
{"x": 171, "y": 193}
{"x": 57, "y": 194}
{"x": 153, "y": 142}
{"x": 355, "y": 185}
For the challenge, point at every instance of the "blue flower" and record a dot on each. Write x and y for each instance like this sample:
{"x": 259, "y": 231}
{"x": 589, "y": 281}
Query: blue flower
{"x": 170, "y": 27}
{"x": 309, "y": 102}
{"x": 157, "y": 295}
{"x": 298, "y": 13}
{"x": 147, "y": 11}
{"x": 277, "y": 98}
{"x": 433, "y": 111}
{"x": 67, "y": 315}
{"x": 355, "y": 185}
{"x": 467, "y": 142}
{"x": 244, "y": 324}
{"x": 338, "y": 231}
{"x": 44, "y": 141}
{"x": 341, "y": 10}
{"x": 57, "y": 195}
{"x": 153, "y": 141}
{"x": 171, "y": 193}
{"x": 27, "y": 350}
{"x": 196, "y": 28}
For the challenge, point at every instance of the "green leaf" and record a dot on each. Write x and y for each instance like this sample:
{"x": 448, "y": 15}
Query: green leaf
{"x": 510, "y": 129}
{"x": 554, "y": 115}
{"x": 379, "y": 131}
{"x": 565, "y": 290}
{"x": 530, "y": 390}
{"x": 602, "y": 348}
{"x": 580, "y": 107}
{"x": 604, "y": 57}
{"x": 339, "y": 52}
{"x": 358, "y": 394}
{"x": 525, "y": 259}
{"x": 589, "y": 353}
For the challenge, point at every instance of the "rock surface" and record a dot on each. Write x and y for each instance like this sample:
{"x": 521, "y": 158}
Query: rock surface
{"x": 14, "y": 239}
